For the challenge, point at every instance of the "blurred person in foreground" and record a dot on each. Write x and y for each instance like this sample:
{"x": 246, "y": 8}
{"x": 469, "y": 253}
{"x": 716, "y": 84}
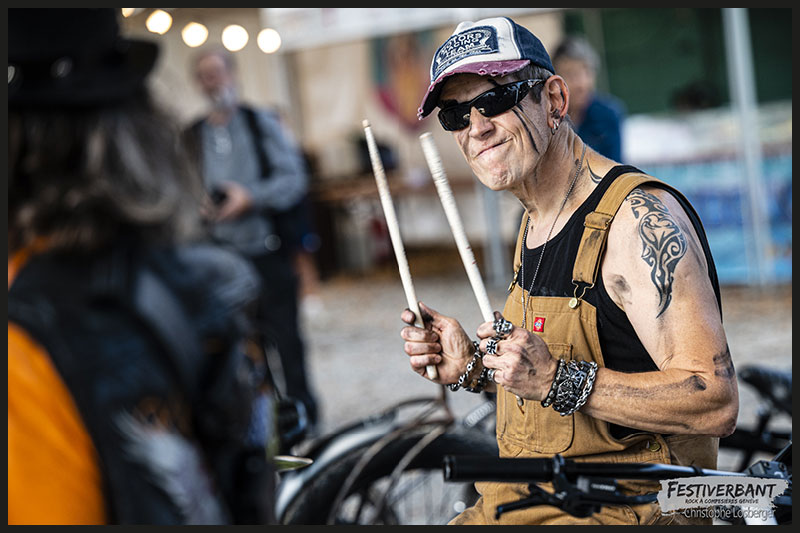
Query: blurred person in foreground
{"x": 256, "y": 174}
{"x": 130, "y": 396}
{"x": 597, "y": 117}
{"x": 610, "y": 346}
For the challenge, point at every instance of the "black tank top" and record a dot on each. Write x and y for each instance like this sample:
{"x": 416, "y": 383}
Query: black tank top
{"x": 621, "y": 348}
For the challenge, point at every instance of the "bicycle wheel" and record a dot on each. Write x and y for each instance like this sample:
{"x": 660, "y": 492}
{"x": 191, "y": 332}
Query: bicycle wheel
{"x": 420, "y": 495}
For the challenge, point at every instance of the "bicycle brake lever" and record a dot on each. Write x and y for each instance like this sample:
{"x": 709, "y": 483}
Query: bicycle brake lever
{"x": 570, "y": 502}
{"x": 520, "y": 504}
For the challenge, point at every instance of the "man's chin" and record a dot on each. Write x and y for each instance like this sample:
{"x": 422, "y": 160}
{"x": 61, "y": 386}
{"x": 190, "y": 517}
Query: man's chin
{"x": 492, "y": 180}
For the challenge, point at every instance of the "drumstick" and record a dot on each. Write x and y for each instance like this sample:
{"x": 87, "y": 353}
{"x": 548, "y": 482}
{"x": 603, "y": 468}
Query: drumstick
{"x": 394, "y": 233}
{"x": 451, "y": 210}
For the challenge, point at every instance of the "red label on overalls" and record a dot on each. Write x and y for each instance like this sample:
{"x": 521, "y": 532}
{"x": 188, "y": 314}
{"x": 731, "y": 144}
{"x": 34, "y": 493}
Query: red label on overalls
{"x": 538, "y": 324}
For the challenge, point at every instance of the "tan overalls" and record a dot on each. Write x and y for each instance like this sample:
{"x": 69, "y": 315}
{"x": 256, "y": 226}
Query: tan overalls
{"x": 534, "y": 431}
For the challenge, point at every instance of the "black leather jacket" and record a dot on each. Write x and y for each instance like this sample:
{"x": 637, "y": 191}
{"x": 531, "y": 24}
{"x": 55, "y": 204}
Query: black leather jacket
{"x": 149, "y": 343}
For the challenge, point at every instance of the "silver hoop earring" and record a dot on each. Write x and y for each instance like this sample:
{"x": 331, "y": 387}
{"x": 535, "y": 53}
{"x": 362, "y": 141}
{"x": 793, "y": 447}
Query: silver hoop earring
{"x": 554, "y": 129}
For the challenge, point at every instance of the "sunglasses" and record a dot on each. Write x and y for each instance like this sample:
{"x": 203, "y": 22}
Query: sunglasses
{"x": 493, "y": 102}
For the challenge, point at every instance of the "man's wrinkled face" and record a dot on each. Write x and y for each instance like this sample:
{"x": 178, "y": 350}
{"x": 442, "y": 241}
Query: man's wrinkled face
{"x": 501, "y": 150}
{"x": 214, "y": 77}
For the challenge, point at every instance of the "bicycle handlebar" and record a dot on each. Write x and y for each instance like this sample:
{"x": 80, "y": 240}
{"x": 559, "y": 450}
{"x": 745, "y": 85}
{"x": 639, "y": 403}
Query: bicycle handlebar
{"x": 582, "y": 488}
{"x": 531, "y": 470}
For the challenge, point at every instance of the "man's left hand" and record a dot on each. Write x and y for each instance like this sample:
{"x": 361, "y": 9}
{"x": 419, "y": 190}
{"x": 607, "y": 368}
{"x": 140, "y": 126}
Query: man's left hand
{"x": 238, "y": 201}
{"x": 523, "y": 362}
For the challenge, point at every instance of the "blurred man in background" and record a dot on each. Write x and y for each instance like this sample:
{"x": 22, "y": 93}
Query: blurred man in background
{"x": 257, "y": 177}
{"x": 596, "y": 117}
{"x": 130, "y": 397}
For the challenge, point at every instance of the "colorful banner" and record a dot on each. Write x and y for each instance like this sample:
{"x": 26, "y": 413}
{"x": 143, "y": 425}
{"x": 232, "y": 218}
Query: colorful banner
{"x": 401, "y": 73}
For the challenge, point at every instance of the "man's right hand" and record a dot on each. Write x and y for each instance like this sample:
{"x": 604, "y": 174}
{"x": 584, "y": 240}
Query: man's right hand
{"x": 442, "y": 342}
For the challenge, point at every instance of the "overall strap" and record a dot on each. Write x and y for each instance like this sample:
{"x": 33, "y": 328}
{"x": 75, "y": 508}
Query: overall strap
{"x": 595, "y": 233}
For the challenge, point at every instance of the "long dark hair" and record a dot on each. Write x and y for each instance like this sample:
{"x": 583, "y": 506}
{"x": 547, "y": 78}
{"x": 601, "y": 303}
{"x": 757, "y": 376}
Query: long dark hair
{"x": 81, "y": 177}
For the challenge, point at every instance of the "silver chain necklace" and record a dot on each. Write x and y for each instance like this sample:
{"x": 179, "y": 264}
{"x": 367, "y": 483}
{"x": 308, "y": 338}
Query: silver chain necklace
{"x": 527, "y": 292}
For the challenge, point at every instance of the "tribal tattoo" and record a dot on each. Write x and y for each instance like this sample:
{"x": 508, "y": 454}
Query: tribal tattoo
{"x": 663, "y": 243}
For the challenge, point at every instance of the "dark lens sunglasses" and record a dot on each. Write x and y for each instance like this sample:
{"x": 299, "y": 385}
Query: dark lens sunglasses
{"x": 493, "y": 102}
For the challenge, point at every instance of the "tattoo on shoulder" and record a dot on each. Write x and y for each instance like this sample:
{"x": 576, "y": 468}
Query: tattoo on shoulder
{"x": 663, "y": 242}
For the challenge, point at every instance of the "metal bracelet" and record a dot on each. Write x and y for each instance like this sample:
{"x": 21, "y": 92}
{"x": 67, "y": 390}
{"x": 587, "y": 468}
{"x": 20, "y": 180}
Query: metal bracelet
{"x": 587, "y": 386}
{"x": 478, "y": 383}
{"x": 568, "y": 389}
{"x": 557, "y": 378}
{"x": 573, "y": 392}
{"x": 464, "y": 380}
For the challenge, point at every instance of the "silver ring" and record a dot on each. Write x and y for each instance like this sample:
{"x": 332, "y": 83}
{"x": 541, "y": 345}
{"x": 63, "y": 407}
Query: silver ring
{"x": 502, "y": 327}
{"x": 490, "y": 374}
{"x": 491, "y": 346}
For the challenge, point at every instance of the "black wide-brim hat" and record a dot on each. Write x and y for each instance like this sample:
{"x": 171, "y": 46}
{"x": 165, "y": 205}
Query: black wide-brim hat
{"x": 73, "y": 57}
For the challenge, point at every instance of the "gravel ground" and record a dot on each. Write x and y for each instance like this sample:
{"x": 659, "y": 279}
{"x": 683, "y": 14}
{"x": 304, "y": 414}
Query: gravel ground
{"x": 358, "y": 367}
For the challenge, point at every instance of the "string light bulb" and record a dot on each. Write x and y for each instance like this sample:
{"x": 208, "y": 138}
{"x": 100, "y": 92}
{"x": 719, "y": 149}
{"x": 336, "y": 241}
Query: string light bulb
{"x": 194, "y": 34}
{"x": 268, "y": 40}
{"x": 159, "y": 22}
{"x": 234, "y": 37}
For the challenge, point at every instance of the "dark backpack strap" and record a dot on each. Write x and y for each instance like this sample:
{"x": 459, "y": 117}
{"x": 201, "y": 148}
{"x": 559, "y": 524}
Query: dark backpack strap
{"x": 258, "y": 135}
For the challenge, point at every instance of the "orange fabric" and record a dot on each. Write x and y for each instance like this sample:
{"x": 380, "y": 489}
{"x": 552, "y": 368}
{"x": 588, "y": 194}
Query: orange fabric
{"x": 53, "y": 473}
{"x": 18, "y": 259}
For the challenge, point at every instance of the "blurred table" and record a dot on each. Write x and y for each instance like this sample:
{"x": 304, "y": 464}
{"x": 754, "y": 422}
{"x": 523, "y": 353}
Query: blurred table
{"x": 350, "y": 221}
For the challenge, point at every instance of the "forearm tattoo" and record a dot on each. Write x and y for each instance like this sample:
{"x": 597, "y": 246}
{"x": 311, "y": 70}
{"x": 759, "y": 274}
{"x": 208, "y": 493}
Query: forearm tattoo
{"x": 663, "y": 243}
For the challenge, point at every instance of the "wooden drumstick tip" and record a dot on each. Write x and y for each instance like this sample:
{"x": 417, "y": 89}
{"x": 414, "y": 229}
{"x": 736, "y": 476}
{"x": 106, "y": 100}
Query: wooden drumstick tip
{"x": 365, "y": 123}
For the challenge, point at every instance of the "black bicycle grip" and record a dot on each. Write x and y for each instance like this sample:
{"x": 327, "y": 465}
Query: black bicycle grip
{"x": 481, "y": 468}
{"x": 530, "y": 469}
